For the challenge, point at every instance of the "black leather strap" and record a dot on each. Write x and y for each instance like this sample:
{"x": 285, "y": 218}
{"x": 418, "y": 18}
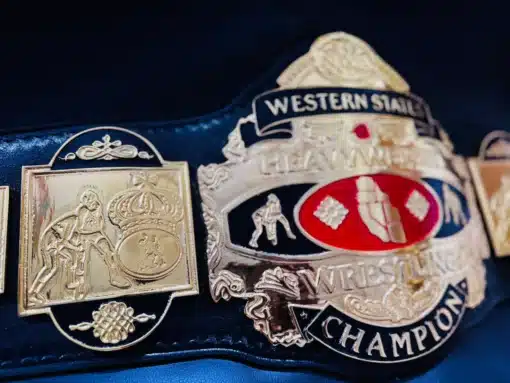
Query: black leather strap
{"x": 197, "y": 326}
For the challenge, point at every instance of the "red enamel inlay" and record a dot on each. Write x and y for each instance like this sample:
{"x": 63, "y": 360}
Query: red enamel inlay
{"x": 353, "y": 234}
{"x": 361, "y": 131}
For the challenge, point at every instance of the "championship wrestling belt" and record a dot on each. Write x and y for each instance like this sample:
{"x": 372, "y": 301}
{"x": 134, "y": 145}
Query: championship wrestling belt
{"x": 325, "y": 223}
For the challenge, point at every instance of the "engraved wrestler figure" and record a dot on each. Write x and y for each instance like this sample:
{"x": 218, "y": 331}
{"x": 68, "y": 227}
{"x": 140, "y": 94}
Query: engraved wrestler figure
{"x": 153, "y": 251}
{"x": 452, "y": 207}
{"x": 500, "y": 208}
{"x": 267, "y": 217}
{"x": 66, "y": 244}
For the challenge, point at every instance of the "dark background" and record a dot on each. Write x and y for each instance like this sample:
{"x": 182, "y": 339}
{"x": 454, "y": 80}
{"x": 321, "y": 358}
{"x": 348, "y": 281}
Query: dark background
{"x": 73, "y": 64}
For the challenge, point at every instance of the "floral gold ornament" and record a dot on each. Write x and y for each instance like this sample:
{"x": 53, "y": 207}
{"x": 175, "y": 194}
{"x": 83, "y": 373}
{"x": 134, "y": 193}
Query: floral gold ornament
{"x": 113, "y": 322}
{"x": 341, "y": 214}
{"x": 491, "y": 175}
{"x": 109, "y": 230}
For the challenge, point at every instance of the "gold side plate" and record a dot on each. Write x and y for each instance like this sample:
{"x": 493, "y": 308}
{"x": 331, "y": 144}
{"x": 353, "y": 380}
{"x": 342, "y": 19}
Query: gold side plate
{"x": 491, "y": 176}
{"x": 4, "y": 214}
{"x": 101, "y": 234}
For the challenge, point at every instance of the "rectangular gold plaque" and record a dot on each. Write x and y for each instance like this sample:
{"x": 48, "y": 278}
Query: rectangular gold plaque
{"x": 492, "y": 182}
{"x": 90, "y": 234}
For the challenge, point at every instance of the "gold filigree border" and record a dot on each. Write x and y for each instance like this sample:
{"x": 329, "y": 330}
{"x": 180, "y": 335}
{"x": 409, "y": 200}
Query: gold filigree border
{"x": 227, "y": 284}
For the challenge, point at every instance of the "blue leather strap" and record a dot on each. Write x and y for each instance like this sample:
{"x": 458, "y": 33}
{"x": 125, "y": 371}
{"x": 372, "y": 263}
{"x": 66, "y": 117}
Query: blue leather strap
{"x": 462, "y": 364}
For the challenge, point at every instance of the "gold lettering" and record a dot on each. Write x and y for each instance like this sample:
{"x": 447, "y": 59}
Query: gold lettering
{"x": 316, "y": 283}
{"x": 312, "y": 160}
{"x": 347, "y": 277}
{"x": 378, "y": 157}
{"x": 374, "y": 276}
{"x": 387, "y": 268}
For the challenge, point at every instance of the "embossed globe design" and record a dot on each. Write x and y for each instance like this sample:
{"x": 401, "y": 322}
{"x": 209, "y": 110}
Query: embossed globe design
{"x": 147, "y": 217}
{"x": 158, "y": 253}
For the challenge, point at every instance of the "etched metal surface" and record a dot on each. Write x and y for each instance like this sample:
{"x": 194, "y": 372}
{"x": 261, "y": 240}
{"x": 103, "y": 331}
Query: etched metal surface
{"x": 266, "y": 218}
{"x": 101, "y": 233}
{"x": 358, "y": 228}
{"x": 491, "y": 175}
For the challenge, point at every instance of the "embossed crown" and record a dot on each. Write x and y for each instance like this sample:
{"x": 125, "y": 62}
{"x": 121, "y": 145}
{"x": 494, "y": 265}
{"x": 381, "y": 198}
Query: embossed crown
{"x": 145, "y": 206}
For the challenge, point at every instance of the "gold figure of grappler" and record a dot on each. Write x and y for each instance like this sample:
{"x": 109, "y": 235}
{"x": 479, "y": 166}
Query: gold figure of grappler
{"x": 66, "y": 245}
{"x": 266, "y": 217}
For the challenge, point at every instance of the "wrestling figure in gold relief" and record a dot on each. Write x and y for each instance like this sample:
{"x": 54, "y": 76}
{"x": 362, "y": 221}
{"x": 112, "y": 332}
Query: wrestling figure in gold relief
{"x": 67, "y": 245}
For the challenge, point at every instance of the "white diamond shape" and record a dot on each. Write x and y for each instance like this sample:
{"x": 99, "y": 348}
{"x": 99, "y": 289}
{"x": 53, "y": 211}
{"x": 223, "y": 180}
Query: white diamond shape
{"x": 331, "y": 212}
{"x": 418, "y": 205}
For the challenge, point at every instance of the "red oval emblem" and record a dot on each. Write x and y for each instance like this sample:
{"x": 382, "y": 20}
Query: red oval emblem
{"x": 372, "y": 213}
